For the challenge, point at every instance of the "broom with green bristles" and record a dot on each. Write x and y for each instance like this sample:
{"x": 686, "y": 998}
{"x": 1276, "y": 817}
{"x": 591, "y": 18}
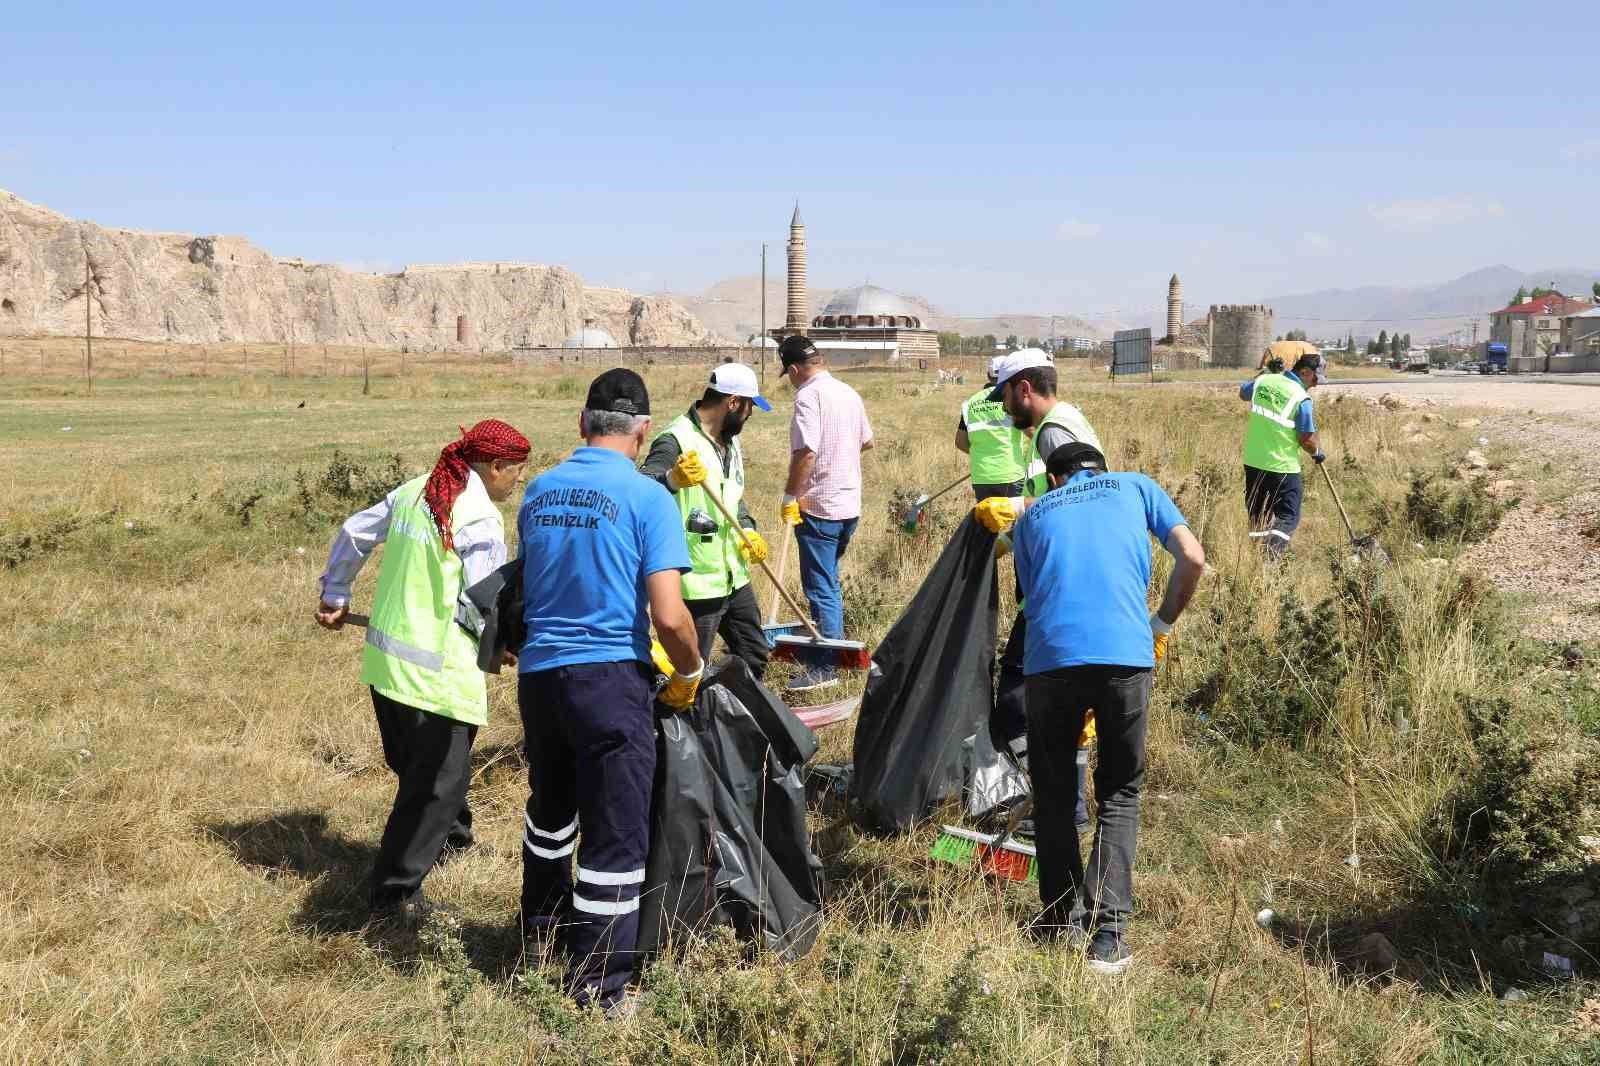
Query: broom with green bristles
{"x": 999, "y": 855}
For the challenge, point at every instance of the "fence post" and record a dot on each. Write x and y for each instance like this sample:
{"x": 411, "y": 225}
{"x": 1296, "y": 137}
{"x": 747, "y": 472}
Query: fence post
{"x": 366, "y": 372}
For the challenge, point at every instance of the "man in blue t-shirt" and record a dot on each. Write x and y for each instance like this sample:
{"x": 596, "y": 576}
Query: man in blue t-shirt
{"x": 1083, "y": 561}
{"x": 600, "y": 545}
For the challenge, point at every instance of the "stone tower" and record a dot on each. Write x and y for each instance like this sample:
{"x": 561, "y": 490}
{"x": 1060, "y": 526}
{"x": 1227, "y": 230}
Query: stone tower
{"x": 1174, "y": 309}
{"x": 795, "y": 321}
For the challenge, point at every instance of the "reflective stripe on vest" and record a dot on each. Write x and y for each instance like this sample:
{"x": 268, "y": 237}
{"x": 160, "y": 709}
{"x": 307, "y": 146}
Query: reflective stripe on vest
{"x": 996, "y": 448}
{"x": 1069, "y": 418}
{"x": 1271, "y": 441}
{"x": 415, "y": 652}
{"x": 719, "y": 569}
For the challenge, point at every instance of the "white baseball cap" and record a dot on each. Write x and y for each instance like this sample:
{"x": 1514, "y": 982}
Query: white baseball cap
{"x": 736, "y": 379}
{"x": 1013, "y": 364}
{"x": 997, "y": 365}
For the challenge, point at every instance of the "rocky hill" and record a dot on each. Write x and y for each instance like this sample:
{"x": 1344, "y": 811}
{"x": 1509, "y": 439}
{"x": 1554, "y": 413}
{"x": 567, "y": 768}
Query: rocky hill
{"x": 197, "y": 289}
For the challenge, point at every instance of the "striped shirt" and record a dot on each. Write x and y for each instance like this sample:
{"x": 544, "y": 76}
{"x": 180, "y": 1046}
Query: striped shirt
{"x": 830, "y": 420}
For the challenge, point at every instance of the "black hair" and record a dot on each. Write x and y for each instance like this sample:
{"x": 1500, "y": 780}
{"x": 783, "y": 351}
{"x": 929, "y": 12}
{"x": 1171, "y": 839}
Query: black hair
{"x": 1041, "y": 378}
{"x": 1073, "y": 457}
{"x": 712, "y": 396}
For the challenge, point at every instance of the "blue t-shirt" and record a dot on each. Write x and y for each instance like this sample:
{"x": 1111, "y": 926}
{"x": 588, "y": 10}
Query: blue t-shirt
{"x": 1302, "y": 414}
{"x": 591, "y": 530}
{"x": 1083, "y": 563}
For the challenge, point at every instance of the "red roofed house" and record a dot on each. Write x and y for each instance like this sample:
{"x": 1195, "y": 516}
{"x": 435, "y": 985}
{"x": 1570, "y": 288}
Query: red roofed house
{"x": 1532, "y": 328}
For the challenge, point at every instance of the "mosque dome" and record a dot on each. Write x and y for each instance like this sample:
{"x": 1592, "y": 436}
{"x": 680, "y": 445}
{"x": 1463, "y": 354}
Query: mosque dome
{"x": 590, "y": 337}
{"x": 868, "y": 305}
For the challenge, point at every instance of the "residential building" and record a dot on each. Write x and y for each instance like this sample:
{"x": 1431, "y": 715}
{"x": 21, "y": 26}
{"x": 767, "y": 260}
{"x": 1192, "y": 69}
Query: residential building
{"x": 1580, "y": 333}
{"x": 1532, "y": 328}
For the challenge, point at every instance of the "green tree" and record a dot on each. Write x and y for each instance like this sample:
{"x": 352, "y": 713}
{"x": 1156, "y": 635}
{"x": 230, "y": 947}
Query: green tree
{"x": 1383, "y": 341}
{"x": 949, "y": 343}
{"x": 1394, "y": 346}
{"x": 1034, "y": 342}
{"x": 989, "y": 342}
{"x": 1011, "y": 341}
{"x": 1405, "y": 342}
{"x": 1596, "y": 290}
{"x": 1540, "y": 290}
{"x": 1350, "y": 343}
{"x": 1522, "y": 294}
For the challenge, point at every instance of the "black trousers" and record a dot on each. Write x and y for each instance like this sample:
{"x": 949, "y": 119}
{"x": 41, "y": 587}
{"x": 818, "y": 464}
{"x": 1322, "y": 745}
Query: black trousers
{"x": 432, "y": 757}
{"x": 1011, "y": 488}
{"x": 1008, "y": 726}
{"x": 1273, "y": 502}
{"x": 1057, "y": 700}
{"x": 591, "y": 744}
{"x": 737, "y": 617}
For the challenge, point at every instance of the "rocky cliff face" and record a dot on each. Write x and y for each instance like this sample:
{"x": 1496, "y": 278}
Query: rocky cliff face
{"x": 190, "y": 289}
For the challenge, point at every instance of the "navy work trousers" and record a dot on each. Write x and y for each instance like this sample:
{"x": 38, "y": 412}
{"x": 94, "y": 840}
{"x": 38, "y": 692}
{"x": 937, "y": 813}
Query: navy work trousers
{"x": 591, "y": 745}
{"x": 1273, "y": 502}
{"x": 431, "y": 755}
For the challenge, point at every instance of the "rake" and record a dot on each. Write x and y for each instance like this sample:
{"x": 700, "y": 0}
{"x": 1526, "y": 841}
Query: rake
{"x": 912, "y": 518}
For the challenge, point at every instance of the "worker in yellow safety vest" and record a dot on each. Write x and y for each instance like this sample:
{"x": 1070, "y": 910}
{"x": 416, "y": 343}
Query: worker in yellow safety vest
{"x": 997, "y": 451}
{"x": 1281, "y": 426}
{"x": 442, "y": 533}
{"x": 700, "y": 450}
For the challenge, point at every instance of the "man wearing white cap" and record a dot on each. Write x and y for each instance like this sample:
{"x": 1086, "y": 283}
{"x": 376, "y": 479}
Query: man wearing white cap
{"x": 1026, "y": 385}
{"x": 996, "y": 449}
{"x": 701, "y": 448}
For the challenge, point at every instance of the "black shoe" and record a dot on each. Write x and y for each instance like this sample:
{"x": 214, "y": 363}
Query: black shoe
{"x": 411, "y": 913}
{"x": 1108, "y": 955}
{"x": 1048, "y": 928}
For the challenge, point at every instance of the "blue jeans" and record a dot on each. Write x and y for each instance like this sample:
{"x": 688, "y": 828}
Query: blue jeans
{"x": 822, "y": 544}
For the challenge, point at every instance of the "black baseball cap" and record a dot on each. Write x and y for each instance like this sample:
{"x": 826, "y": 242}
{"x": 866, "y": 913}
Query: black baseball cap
{"x": 795, "y": 349}
{"x": 1073, "y": 457}
{"x": 618, "y": 389}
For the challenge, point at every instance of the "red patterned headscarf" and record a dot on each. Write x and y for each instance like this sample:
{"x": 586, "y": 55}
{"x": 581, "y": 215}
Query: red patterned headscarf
{"x": 489, "y": 439}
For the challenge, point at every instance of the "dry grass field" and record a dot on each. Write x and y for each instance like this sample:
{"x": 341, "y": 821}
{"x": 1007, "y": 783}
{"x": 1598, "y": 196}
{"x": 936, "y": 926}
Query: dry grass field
{"x": 191, "y": 785}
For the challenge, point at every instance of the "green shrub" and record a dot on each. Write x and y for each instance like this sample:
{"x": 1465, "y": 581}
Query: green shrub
{"x": 1443, "y": 505}
{"x": 1522, "y": 802}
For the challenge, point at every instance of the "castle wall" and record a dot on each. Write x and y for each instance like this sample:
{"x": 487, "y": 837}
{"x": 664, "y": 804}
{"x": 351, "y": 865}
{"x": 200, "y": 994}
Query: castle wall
{"x": 1240, "y": 333}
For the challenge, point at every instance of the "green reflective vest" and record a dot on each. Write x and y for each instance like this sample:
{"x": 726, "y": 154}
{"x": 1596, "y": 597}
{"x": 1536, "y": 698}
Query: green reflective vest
{"x": 997, "y": 450}
{"x": 416, "y": 653}
{"x": 719, "y": 569}
{"x": 1270, "y": 440}
{"x": 1069, "y": 418}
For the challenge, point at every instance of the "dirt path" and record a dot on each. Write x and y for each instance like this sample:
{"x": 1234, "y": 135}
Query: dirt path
{"x": 1546, "y": 550}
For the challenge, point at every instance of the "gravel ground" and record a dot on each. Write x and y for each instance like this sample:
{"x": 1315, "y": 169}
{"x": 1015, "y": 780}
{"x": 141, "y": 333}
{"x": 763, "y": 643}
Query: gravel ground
{"x": 1548, "y": 552}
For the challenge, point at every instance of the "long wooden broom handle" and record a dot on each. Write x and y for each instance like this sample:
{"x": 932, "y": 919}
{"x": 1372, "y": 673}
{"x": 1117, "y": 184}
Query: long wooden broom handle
{"x": 750, "y": 546}
{"x": 783, "y": 562}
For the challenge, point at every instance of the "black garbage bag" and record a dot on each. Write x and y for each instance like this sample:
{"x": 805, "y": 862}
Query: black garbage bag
{"x": 728, "y": 843}
{"x": 498, "y": 601}
{"x": 931, "y": 688}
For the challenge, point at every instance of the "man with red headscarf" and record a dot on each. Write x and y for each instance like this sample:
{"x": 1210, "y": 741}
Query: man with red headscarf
{"x": 444, "y": 534}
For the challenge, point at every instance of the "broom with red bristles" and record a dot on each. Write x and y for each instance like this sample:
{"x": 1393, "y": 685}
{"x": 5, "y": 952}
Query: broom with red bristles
{"x": 813, "y": 651}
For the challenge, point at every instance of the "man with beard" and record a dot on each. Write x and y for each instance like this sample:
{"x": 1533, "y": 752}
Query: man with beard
{"x": 1026, "y": 385}
{"x": 698, "y": 448}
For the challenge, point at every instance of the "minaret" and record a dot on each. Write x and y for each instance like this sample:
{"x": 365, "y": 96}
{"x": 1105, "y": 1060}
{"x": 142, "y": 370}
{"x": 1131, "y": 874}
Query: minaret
{"x": 796, "y": 320}
{"x": 1174, "y": 309}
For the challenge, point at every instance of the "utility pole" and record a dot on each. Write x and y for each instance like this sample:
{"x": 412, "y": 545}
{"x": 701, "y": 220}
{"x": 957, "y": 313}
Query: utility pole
{"x": 763, "y": 314}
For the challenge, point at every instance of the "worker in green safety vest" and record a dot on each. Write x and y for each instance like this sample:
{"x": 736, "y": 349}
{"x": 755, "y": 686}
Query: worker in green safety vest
{"x": 1281, "y": 426}
{"x": 996, "y": 449}
{"x": 1025, "y": 385}
{"x": 700, "y": 450}
{"x": 442, "y": 533}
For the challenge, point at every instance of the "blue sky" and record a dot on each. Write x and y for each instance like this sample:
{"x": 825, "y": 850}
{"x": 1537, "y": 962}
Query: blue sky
{"x": 1013, "y": 157}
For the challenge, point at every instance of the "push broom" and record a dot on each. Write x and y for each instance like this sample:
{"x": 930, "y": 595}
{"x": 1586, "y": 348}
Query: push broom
{"x": 998, "y": 855}
{"x": 814, "y": 650}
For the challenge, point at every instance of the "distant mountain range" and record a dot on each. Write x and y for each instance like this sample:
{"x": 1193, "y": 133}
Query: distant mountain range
{"x": 1425, "y": 312}
{"x": 732, "y": 308}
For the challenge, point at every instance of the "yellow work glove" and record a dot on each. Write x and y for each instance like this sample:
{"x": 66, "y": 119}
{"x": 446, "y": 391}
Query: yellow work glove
{"x": 1086, "y": 737}
{"x": 753, "y": 547}
{"x": 658, "y": 656}
{"x": 687, "y": 471}
{"x": 791, "y": 510}
{"x": 998, "y": 513}
{"x": 1162, "y": 631}
{"x": 678, "y": 693}
{"x": 1002, "y": 546}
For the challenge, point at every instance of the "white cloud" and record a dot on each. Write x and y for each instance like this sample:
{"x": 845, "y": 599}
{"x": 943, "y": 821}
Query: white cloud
{"x": 1435, "y": 212}
{"x": 1314, "y": 243}
{"x": 1073, "y": 230}
{"x": 367, "y": 266}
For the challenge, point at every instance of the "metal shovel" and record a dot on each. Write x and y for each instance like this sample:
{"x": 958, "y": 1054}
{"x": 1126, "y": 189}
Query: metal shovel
{"x": 1367, "y": 547}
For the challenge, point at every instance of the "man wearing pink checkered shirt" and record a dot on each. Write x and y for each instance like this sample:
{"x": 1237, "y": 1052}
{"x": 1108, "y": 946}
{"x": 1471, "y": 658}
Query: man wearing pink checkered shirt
{"x": 823, "y": 497}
